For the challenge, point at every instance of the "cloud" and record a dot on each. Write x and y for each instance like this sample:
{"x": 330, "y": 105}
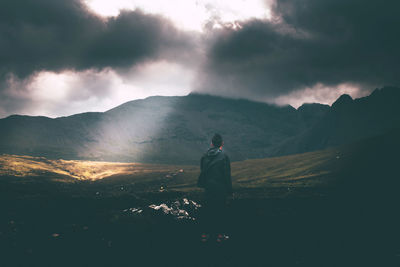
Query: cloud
{"x": 306, "y": 43}
{"x": 57, "y": 57}
{"x": 56, "y": 35}
{"x": 191, "y": 15}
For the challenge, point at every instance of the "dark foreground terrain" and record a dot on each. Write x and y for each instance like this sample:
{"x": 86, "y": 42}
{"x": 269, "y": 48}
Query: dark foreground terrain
{"x": 352, "y": 221}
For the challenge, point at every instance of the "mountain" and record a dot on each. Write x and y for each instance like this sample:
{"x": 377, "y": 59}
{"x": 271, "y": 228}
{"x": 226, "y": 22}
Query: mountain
{"x": 178, "y": 129}
{"x": 349, "y": 120}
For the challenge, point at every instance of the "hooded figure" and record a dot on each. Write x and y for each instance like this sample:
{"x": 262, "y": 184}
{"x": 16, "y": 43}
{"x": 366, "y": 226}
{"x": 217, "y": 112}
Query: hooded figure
{"x": 215, "y": 178}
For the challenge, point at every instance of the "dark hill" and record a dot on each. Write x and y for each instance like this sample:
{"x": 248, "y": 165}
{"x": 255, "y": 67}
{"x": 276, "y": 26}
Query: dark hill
{"x": 177, "y": 129}
{"x": 349, "y": 120}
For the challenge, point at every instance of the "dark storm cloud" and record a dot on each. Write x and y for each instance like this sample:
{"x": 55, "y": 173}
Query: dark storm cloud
{"x": 306, "y": 43}
{"x": 55, "y": 35}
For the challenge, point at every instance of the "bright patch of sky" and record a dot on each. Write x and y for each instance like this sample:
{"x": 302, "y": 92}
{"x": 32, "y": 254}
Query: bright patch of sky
{"x": 320, "y": 94}
{"x": 61, "y": 94}
{"x": 189, "y": 14}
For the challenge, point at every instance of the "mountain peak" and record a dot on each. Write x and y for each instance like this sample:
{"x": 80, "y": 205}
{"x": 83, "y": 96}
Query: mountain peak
{"x": 386, "y": 90}
{"x": 312, "y": 106}
{"x": 344, "y": 99}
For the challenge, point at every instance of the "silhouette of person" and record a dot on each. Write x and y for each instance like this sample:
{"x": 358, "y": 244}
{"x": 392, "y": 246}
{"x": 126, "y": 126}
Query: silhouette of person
{"x": 215, "y": 178}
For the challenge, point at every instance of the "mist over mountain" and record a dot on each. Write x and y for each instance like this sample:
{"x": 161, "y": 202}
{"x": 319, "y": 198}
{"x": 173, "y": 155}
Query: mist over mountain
{"x": 178, "y": 129}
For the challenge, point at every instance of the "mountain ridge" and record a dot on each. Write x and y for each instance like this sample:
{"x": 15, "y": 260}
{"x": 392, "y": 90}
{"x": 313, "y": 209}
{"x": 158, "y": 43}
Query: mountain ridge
{"x": 177, "y": 129}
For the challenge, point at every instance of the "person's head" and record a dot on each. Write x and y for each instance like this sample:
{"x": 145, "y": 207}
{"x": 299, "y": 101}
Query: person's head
{"x": 217, "y": 140}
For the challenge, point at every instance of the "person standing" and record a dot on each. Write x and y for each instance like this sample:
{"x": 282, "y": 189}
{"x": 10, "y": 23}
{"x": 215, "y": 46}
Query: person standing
{"x": 215, "y": 179}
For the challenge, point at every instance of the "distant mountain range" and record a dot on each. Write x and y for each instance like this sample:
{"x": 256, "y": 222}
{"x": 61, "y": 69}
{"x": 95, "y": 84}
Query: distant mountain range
{"x": 178, "y": 129}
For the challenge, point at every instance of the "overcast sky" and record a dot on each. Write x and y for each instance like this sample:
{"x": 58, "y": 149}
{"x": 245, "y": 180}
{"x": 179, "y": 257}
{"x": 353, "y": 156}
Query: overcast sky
{"x": 60, "y": 57}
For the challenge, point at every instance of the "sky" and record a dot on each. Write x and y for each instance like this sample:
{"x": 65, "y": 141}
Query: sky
{"x": 61, "y": 57}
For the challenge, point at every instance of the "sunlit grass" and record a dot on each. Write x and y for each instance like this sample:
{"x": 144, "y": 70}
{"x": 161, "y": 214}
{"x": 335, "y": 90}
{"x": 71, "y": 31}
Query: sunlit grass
{"x": 23, "y": 166}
